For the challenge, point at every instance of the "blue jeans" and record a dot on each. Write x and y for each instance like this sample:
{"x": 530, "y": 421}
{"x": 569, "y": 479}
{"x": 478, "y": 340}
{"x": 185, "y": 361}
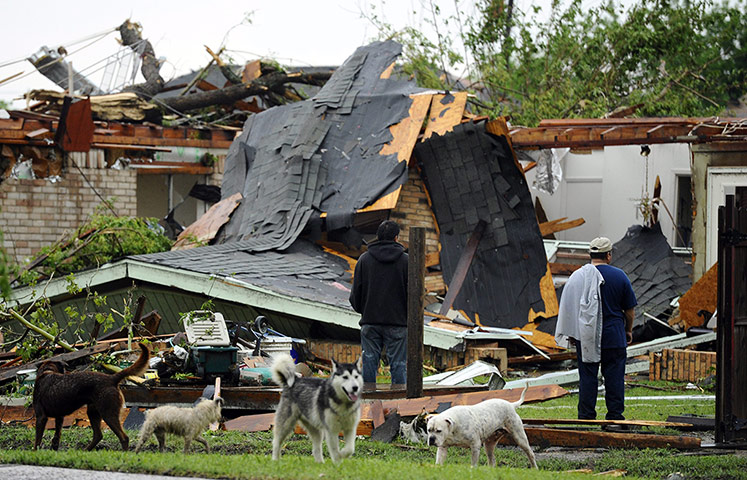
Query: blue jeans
{"x": 613, "y": 371}
{"x": 376, "y": 337}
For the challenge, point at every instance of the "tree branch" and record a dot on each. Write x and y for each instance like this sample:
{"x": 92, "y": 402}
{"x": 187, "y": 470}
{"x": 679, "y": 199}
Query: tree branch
{"x": 264, "y": 85}
{"x": 150, "y": 67}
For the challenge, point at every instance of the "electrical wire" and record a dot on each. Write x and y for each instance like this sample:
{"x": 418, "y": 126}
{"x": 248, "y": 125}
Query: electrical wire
{"x": 60, "y": 59}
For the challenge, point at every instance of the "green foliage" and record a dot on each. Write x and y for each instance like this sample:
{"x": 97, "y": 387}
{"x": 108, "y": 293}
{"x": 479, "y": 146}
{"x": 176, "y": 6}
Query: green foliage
{"x": 675, "y": 57}
{"x": 102, "y": 239}
{"x": 5, "y": 263}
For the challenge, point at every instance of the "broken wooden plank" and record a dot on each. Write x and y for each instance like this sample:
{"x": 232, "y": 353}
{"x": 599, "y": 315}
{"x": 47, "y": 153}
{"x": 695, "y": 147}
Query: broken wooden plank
{"x": 63, "y": 357}
{"x": 549, "y": 437}
{"x": 563, "y": 268}
{"x": 693, "y": 422}
{"x": 37, "y": 133}
{"x": 554, "y": 226}
{"x": 377, "y": 414}
{"x": 413, "y": 406}
{"x": 576, "y": 421}
{"x": 554, "y": 357}
{"x": 260, "y": 422}
{"x": 206, "y": 227}
{"x": 460, "y": 272}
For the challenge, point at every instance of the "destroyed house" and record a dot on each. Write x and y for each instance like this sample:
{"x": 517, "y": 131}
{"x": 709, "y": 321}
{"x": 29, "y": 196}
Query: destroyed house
{"x": 306, "y": 184}
{"x": 311, "y": 181}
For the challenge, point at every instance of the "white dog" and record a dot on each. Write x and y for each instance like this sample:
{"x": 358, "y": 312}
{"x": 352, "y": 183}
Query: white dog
{"x": 187, "y": 422}
{"x": 476, "y": 425}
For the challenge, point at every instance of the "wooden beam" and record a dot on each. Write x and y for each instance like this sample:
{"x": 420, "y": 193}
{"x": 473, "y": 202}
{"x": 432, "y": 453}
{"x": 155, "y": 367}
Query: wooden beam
{"x": 415, "y": 300}
{"x": 554, "y": 226}
{"x": 631, "y": 423}
{"x": 460, "y": 273}
{"x": 413, "y": 406}
{"x": 563, "y": 268}
{"x": 554, "y": 357}
{"x": 549, "y": 437}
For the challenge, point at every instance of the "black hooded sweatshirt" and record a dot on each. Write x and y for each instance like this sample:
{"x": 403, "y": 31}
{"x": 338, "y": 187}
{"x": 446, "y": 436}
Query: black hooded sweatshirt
{"x": 379, "y": 291}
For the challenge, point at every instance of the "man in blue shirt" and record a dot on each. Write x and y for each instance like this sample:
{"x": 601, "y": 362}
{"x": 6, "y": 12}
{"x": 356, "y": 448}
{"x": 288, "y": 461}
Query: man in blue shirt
{"x": 617, "y": 303}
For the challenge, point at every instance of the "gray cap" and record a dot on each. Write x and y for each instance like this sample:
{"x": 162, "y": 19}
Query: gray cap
{"x": 600, "y": 245}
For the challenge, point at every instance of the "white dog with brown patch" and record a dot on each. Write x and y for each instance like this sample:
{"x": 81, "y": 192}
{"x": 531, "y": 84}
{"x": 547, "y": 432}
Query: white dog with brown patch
{"x": 476, "y": 425}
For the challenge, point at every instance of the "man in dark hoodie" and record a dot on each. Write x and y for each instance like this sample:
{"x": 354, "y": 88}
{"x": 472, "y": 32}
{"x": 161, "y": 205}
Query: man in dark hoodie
{"x": 379, "y": 294}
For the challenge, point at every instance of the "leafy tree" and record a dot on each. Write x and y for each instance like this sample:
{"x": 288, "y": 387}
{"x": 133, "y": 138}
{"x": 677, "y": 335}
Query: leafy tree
{"x": 102, "y": 239}
{"x": 663, "y": 57}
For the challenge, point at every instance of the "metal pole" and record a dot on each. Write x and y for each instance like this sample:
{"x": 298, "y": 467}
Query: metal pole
{"x": 415, "y": 297}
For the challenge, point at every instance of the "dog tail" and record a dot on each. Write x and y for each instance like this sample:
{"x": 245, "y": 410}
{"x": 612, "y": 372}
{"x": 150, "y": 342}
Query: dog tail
{"x": 521, "y": 399}
{"x": 283, "y": 370}
{"x": 137, "y": 368}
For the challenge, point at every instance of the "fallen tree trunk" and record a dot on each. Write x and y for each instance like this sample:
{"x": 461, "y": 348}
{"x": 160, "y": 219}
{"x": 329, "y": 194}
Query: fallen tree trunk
{"x": 272, "y": 83}
{"x": 131, "y": 37}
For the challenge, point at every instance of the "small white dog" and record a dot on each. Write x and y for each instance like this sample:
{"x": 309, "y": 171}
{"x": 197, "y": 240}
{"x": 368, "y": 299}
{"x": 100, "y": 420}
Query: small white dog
{"x": 187, "y": 422}
{"x": 476, "y": 425}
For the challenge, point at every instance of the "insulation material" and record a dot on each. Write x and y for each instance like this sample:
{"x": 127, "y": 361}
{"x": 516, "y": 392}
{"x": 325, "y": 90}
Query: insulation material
{"x": 471, "y": 175}
{"x": 322, "y": 155}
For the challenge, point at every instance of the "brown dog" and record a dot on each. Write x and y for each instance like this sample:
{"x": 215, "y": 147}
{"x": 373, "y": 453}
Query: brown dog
{"x": 57, "y": 394}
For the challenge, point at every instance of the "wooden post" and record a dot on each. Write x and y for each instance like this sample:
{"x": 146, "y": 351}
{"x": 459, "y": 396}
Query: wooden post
{"x": 415, "y": 297}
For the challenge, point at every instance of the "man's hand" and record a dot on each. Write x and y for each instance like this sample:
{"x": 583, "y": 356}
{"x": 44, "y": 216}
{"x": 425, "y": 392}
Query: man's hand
{"x": 629, "y": 317}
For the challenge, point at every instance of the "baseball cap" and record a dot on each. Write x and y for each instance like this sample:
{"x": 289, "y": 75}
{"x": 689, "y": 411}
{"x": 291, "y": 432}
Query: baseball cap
{"x": 600, "y": 245}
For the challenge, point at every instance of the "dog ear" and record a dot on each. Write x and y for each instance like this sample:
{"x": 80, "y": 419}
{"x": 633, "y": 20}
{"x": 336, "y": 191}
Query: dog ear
{"x": 335, "y": 366}
{"x": 359, "y": 363}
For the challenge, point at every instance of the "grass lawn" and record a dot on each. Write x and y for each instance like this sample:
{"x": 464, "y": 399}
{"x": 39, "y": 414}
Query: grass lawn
{"x": 247, "y": 456}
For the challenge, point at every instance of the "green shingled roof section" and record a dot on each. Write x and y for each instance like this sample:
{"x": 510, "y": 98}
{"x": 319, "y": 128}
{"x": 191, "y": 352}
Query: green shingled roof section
{"x": 218, "y": 287}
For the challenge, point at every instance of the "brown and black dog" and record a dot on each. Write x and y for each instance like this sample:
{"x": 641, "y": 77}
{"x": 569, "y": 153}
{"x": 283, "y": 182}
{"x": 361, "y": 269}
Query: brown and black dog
{"x": 57, "y": 394}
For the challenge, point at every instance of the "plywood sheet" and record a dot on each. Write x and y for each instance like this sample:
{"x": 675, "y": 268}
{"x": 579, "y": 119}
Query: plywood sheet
{"x": 547, "y": 290}
{"x": 446, "y": 111}
{"x": 404, "y": 135}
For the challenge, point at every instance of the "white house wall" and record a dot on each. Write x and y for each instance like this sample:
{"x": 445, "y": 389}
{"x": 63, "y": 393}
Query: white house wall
{"x": 604, "y": 187}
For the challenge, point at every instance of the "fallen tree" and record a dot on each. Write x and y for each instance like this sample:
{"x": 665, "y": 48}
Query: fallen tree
{"x": 272, "y": 84}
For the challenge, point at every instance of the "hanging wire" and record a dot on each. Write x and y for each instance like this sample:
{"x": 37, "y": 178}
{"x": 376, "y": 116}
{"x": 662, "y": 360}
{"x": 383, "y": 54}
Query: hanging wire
{"x": 60, "y": 59}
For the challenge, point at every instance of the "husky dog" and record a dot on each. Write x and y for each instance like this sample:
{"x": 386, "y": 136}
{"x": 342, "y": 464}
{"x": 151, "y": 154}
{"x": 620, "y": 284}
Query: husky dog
{"x": 476, "y": 425}
{"x": 323, "y": 406}
{"x": 187, "y": 422}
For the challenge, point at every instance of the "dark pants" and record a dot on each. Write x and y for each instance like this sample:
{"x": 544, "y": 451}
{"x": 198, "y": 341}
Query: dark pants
{"x": 376, "y": 337}
{"x": 613, "y": 371}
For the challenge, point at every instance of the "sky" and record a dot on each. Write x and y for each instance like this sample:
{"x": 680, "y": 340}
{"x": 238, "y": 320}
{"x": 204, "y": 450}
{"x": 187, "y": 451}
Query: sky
{"x": 293, "y": 32}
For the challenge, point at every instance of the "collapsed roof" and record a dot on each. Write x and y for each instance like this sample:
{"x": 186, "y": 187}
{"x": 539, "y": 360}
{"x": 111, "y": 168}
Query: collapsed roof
{"x": 655, "y": 272}
{"x": 318, "y": 163}
{"x": 319, "y": 155}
